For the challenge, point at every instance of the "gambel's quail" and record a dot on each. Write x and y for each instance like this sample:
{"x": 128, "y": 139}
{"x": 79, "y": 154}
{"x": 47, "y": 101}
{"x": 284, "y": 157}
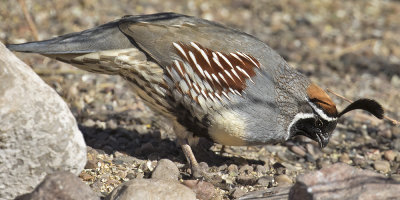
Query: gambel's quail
{"x": 210, "y": 80}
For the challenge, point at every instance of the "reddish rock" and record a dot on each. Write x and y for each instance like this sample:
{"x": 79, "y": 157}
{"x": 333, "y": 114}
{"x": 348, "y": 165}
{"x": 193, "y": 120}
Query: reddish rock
{"x": 341, "y": 181}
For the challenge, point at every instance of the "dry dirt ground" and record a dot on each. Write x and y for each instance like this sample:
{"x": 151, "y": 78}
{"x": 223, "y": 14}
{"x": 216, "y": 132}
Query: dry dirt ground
{"x": 351, "y": 47}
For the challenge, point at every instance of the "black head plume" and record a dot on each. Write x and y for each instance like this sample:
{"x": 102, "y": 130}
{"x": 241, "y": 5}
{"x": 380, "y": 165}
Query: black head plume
{"x": 369, "y": 105}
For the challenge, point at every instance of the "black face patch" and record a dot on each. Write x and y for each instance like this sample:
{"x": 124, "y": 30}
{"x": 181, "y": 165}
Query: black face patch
{"x": 316, "y": 129}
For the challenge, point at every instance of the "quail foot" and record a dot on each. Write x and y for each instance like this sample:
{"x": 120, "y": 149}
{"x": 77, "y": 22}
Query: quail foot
{"x": 210, "y": 80}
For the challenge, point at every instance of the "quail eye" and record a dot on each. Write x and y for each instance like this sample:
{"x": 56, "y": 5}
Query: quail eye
{"x": 318, "y": 123}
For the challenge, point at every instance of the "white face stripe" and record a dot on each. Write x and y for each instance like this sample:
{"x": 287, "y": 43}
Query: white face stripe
{"x": 296, "y": 118}
{"x": 321, "y": 112}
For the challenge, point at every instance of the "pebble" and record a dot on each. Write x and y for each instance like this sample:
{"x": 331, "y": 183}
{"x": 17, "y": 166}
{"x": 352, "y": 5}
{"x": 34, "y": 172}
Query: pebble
{"x": 260, "y": 169}
{"x": 233, "y": 170}
{"x": 390, "y": 155}
{"x": 238, "y": 192}
{"x": 382, "y": 165}
{"x": 265, "y": 181}
{"x": 91, "y": 164}
{"x": 204, "y": 190}
{"x": 396, "y": 131}
{"x": 298, "y": 150}
{"x": 396, "y": 144}
{"x": 166, "y": 170}
{"x": 246, "y": 179}
{"x": 283, "y": 180}
{"x": 345, "y": 158}
{"x": 246, "y": 169}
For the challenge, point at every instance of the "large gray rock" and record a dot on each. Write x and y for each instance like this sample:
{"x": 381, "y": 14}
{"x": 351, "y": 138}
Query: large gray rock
{"x": 151, "y": 189}
{"x": 341, "y": 181}
{"x": 38, "y": 133}
{"x": 61, "y": 185}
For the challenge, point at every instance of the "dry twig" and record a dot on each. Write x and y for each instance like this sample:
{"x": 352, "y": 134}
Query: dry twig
{"x": 28, "y": 18}
{"x": 395, "y": 122}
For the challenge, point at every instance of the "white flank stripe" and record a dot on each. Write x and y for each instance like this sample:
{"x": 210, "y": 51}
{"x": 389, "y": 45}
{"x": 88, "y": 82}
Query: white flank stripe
{"x": 204, "y": 94}
{"x": 245, "y": 73}
{"x": 226, "y": 95}
{"x": 223, "y": 78}
{"x": 232, "y": 91}
{"x": 237, "y": 92}
{"x": 177, "y": 46}
{"x": 225, "y": 58}
{"x": 188, "y": 80}
{"x": 237, "y": 57}
{"x": 195, "y": 63}
{"x": 178, "y": 65}
{"x": 202, "y": 52}
{"x": 196, "y": 88}
{"x": 216, "y": 79}
{"x": 207, "y": 75}
{"x": 216, "y": 60}
{"x": 229, "y": 74}
{"x": 218, "y": 96}
{"x": 248, "y": 58}
{"x": 237, "y": 75}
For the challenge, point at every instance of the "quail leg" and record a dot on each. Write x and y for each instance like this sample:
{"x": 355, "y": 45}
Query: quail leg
{"x": 197, "y": 171}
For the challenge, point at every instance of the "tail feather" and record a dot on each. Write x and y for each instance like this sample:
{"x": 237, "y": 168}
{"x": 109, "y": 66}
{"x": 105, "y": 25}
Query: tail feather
{"x": 104, "y": 37}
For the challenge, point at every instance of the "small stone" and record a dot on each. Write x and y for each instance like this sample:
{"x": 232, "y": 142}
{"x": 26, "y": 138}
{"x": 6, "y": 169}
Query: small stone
{"x": 298, "y": 150}
{"x": 345, "y": 158}
{"x": 204, "y": 190}
{"x": 233, "y": 170}
{"x": 238, "y": 192}
{"x": 223, "y": 167}
{"x": 246, "y": 179}
{"x": 280, "y": 169}
{"x": 246, "y": 169}
{"x": 91, "y": 164}
{"x": 260, "y": 169}
{"x": 265, "y": 181}
{"x": 283, "y": 180}
{"x": 151, "y": 189}
{"x": 166, "y": 170}
{"x": 396, "y": 144}
{"x": 382, "y": 165}
{"x": 389, "y": 155}
{"x": 86, "y": 177}
{"x": 112, "y": 124}
{"x": 396, "y": 131}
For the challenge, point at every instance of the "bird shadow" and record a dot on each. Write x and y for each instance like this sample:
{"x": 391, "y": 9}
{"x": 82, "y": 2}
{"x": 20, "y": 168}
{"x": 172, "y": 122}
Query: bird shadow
{"x": 152, "y": 145}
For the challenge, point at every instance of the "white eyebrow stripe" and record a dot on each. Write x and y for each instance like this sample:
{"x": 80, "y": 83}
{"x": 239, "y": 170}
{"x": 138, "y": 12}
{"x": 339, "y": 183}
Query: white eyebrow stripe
{"x": 296, "y": 118}
{"x": 202, "y": 52}
{"x": 321, "y": 112}
{"x": 195, "y": 63}
{"x": 177, "y": 46}
{"x": 216, "y": 60}
{"x": 244, "y": 72}
{"x": 225, "y": 58}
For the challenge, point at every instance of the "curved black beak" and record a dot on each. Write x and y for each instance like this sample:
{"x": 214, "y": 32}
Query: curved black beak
{"x": 322, "y": 139}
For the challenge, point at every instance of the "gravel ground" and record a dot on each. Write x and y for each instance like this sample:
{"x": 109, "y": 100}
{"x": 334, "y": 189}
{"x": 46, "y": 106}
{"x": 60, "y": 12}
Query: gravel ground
{"x": 351, "y": 47}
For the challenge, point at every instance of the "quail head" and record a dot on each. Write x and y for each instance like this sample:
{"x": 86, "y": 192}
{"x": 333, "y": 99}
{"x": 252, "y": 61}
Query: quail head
{"x": 210, "y": 80}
